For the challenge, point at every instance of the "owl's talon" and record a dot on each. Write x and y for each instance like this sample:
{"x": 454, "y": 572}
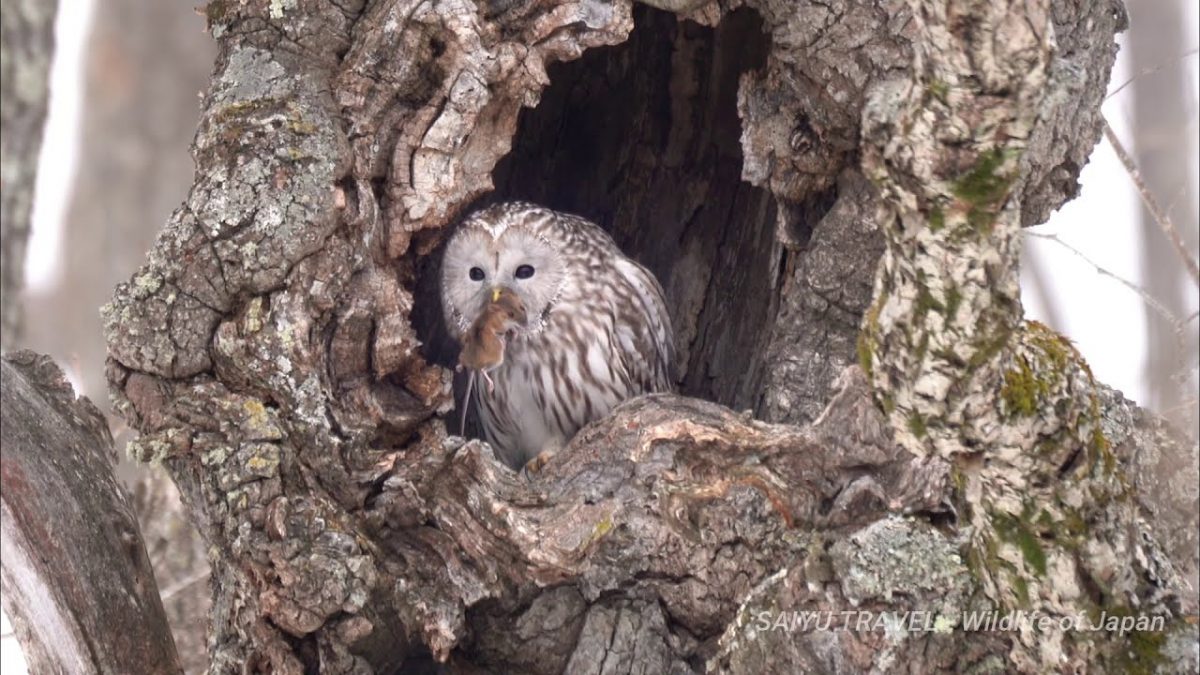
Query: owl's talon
{"x": 536, "y": 464}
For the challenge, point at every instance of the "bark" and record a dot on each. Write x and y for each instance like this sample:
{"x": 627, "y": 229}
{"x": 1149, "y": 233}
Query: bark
{"x": 26, "y": 48}
{"x": 77, "y": 582}
{"x": 281, "y": 355}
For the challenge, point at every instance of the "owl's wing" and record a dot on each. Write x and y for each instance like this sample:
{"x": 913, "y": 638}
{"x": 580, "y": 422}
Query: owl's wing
{"x": 648, "y": 347}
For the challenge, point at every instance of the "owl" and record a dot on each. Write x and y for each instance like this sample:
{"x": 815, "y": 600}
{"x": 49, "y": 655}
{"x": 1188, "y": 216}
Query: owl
{"x": 596, "y": 329}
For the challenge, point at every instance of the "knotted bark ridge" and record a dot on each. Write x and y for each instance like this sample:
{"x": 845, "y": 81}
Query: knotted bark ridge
{"x": 269, "y": 354}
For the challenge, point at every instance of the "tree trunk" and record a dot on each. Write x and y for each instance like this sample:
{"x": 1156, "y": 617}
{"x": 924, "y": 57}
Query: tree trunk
{"x": 282, "y": 355}
{"x": 77, "y": 582}
{"x": 26, "y": 48}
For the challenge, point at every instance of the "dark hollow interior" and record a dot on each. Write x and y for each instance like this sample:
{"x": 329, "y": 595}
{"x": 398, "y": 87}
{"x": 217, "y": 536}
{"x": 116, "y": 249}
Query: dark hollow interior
{"x": 643, "y": 139}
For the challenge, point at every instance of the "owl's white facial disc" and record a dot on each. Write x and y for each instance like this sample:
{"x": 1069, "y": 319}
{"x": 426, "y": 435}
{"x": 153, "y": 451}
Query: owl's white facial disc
{"x": 479, "y": 259}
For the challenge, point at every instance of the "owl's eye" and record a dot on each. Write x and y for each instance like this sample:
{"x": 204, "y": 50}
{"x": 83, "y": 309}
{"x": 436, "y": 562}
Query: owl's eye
{"x": 476, "y": 274}
{"x": 524, "y": 271}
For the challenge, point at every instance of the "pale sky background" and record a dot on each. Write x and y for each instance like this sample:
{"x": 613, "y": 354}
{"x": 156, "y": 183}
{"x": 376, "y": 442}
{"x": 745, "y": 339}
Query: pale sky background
{"x": 1102, "y": 317}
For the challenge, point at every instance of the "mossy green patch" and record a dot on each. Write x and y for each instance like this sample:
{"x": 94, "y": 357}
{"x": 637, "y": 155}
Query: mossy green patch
{"x": 989, "y": 347}
{"x": 926, "y": 302}
{"x": 953, "y": 301}
{"x": 937, "y": 219}
{"x": 215, "y": 11}
{"x": 1018, "y": 533}
{"x": 922, "y": 347}
{"x": 865, "y": 343}
{"x": 888, "y": 401}
{"x": 983, "y": 184}
{"x": 916, "y": 424}
{"x": 983, "y": 189}
{"x": 1021, "y": 587}
{"x": 939, "y": 90}
{"x": 1055, "y": 347}
{"x": 1022, "y": 390}
{"x": 1145, "y": 652}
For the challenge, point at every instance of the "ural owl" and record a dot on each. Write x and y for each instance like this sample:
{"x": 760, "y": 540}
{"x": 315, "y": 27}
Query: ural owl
{"x": 597, "y": 330}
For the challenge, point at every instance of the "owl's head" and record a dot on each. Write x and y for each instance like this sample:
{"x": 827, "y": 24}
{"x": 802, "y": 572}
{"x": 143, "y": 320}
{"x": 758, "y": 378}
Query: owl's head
{"x": 502, "y": 247}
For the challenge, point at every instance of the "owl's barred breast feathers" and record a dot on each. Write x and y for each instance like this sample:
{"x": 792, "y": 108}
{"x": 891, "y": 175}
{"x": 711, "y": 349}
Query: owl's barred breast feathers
{"x": 598, "y": 331}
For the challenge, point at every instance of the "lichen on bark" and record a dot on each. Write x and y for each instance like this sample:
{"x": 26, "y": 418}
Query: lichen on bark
{"x": 1050, "y": 515}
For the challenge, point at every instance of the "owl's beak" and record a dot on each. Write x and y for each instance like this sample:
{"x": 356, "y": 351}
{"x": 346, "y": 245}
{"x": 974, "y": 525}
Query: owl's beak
{"x": 510, "y": 302}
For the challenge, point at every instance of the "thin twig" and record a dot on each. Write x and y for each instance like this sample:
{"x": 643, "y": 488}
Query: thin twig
{"x": 1151, "y": 70}
{"x": 1163, "y": 220}
{"x": 1182, "y": 378}
{"x": 1178, "y": 194}
{"x": 1143, "y": 293}
{"x": 181, "y": 585}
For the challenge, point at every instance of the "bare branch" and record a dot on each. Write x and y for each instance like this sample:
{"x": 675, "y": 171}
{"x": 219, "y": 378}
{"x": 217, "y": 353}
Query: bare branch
{"x": 1150, "y": 71}
{"x": 1160, "y": 216}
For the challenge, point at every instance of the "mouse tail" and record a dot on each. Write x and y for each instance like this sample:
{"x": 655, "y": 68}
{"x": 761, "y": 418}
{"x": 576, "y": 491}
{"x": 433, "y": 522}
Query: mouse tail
{"x": 462, "y": 430}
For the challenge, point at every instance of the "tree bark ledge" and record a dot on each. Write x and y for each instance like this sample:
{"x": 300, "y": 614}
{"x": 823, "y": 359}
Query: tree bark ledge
{"x": 77, "y": 582}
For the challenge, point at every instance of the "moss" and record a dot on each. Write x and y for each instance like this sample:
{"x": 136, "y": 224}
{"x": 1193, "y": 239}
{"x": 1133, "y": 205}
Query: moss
{"x": 1102, "y": 449}
{"x": 1055, "y": 347}
{"x": 926, "y": 302}
{"x": 937, "y": 219}
{"x": 1035, "y": 379}
{"x": 953, "y": 301}
{"x": 983, "y": 189}
{"x": 922, "y": 347}
{"x": 983, "y": 185}
{"x": 1022, "y": 391}
{"x": 988, "y": 348}
{"x": 870, "y": 327}
{"x": 959, "y": 479}
{"x": 1018, "y": 533}
{"x": 1073, "y": 524}
{"x": 1021, "y": 587}
{"x": 938, "y": 90}
{"x": 1145, "y": 652}
{"x": 888, "y": 401}
{"x": 215, "y": 12}
{"x": 864, "y": 352}
{"x": 916, "y": 424}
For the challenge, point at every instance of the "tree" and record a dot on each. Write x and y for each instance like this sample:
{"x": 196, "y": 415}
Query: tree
{"x": 26, "y": 43}
{"x": 76, "y": 579}
{"x": 923, "y": 447}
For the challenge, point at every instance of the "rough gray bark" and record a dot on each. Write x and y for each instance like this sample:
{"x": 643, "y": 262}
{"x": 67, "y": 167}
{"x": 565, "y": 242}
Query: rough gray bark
{"x": 26, "y": 48}
{"x": 278, "y": 355}
{"x": 77, "y": 583}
